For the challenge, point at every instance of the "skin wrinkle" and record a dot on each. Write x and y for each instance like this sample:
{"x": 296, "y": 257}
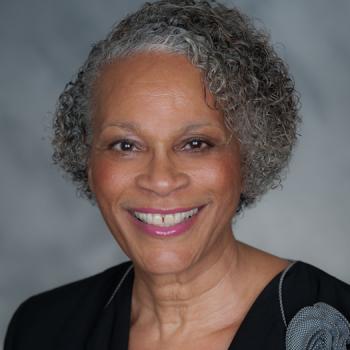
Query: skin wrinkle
{"x": 167, "y": 296}
{"x": 183, "y": 307}
{"x": 183, "y": 130}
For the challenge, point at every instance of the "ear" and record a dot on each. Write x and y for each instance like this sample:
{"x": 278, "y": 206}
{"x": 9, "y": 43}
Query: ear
{"x": 90, "y": 181}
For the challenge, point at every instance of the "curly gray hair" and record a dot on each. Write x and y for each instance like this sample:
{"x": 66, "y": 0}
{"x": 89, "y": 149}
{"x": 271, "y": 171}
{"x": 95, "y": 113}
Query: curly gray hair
{"x": 250, "y": 83}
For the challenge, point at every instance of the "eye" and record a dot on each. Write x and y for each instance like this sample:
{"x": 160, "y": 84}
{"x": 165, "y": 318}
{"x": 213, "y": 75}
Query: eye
{"x": 197, "y": 144}
{"x": 124, "y": 145}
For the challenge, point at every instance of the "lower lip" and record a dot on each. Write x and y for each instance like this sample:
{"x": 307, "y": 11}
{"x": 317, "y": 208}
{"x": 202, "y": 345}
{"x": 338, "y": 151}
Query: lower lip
{"x": 169, "y": 231}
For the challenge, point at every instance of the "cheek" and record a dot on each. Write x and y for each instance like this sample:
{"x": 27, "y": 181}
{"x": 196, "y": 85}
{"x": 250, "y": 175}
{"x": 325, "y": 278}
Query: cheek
{"x": 106, "y": 178}
{"x": 221, "y": 176}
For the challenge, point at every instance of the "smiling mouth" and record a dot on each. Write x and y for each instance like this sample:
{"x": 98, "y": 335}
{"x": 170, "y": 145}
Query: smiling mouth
{"x": 165, "y": 220}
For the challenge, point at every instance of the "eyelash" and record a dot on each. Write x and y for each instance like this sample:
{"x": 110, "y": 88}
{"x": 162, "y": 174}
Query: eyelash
{"x": 201, "y": 141}
{"x": 133, "y": 144}
{"x": 114, "y": 145}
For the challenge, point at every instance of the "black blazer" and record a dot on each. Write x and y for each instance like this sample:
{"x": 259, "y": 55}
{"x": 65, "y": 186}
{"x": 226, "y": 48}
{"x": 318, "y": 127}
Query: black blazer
{"x": 75, "y": 316}
{"x": 94, "y": 313}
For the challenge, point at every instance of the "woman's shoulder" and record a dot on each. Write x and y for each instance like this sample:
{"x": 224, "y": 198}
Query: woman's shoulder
{"x": 304, "y": 284}
{"x": 100, "y": 283}
{"x": 40, "y": 314}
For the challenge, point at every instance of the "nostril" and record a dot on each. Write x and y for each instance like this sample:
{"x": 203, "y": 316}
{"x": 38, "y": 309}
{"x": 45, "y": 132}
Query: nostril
{"x": 162, "y": 178}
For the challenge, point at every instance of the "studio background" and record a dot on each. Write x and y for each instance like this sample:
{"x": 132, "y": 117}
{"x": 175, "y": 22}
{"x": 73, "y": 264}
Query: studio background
{"x": 49, "y": 236}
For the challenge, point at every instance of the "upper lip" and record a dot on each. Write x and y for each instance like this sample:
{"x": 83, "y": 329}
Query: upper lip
{"x": 164, "y": 211}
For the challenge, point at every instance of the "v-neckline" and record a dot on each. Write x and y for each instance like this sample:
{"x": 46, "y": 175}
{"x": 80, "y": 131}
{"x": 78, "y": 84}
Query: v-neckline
{"x": 266, "y": 302}
{"x": 266, "y": 305}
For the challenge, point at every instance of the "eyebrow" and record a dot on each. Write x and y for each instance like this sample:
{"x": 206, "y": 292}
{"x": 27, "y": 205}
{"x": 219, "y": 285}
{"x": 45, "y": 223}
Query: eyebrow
{"x": 123, "y": 125}
{"x": 133, "y": 127}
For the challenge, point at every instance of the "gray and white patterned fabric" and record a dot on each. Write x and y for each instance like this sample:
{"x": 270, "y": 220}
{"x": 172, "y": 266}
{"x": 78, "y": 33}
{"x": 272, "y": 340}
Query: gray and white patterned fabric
{"x": 318, "y": 327}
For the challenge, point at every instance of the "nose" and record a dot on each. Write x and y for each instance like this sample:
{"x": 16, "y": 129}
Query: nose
{"x": 161, "y": 176}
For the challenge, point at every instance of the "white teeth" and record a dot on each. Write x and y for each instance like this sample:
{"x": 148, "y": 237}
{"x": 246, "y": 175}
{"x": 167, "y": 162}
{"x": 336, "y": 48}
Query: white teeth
{"x": 165, "y": 220}
{"x": 169, "y": 220}
{"x": 177, "y": 218}
{"x": 157, "y": 219}
{"x": 148, "y": 218}
{"x": 143, "y": 216}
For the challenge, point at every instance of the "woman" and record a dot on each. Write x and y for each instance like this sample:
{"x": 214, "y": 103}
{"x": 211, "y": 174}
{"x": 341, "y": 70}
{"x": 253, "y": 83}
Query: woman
{"x": 178, "y": 120}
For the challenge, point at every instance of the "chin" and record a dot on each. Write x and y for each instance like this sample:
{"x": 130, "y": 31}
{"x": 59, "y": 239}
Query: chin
{"x": 164, "y": 262}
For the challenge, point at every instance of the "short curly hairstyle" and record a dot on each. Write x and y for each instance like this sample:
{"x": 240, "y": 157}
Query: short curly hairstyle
{"x": 249, "y": 81}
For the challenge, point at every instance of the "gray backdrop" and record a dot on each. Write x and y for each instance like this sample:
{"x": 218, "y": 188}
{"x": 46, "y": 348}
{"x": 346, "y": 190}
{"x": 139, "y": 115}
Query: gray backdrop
{"x": 49, "y": 236}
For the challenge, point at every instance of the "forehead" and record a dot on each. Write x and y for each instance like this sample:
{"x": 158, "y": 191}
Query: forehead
{"x": 158, "y": 85}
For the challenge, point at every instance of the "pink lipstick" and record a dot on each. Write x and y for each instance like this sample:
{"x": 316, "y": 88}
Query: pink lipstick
{"x": 164, "y": 222}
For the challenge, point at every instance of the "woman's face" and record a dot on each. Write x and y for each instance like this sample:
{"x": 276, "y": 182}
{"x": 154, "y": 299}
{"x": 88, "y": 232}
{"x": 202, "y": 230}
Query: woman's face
{"x": 161, "y": 152}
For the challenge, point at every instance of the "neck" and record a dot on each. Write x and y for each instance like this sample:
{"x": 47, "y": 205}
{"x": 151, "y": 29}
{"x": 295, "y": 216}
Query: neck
{"x": 206, "y": 296}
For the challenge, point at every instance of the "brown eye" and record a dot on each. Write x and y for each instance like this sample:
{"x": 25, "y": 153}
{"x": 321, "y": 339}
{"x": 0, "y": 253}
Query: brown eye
{"x": 197, "y": 145}
{"x": 123, "y": 146}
